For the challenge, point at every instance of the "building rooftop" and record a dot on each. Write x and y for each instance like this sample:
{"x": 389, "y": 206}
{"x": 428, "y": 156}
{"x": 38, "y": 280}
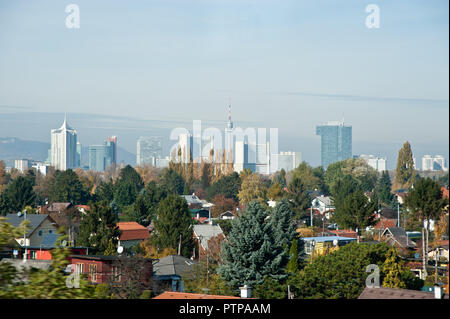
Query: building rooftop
{"x": 205, "y": 232}
{"x": 172, "y": 265}
{"x": 132, "y": 231}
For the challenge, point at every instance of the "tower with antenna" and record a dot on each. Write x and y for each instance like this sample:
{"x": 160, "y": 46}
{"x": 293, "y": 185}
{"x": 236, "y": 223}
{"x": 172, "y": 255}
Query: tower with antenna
{"x": 229, "y": 130}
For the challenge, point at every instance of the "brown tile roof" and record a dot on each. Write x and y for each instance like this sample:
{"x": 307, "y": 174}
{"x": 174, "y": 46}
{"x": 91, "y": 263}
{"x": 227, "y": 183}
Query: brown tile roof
{"x": 132, "y": 231}
{"x": 54, "y": 207}
{"x": 344, "y": 233}
{"x": 185, "y": 295}
{"x": 386, "y": 223}
{"x": 394, "y": 293}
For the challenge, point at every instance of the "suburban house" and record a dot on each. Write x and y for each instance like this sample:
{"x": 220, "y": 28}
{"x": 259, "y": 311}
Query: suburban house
{"x": 39, "y": 226}
{"x": 397, "y": 237}
{"x": 193, "y": 201}
{"x": 43, "y": 251}
{"x": 227, "y": 215}
{"x": 440, "y": 252}
{"x": 112, "y": 269}
{"x": 204, "y": 233}
{"x": 320, "y": 244}
{"x": 323, "y": 204}
{"x": 169, "y": 271}
{"x": 200, "y": 214}
{"x": 132, "y": 234}
{"x": 401, "y": 195}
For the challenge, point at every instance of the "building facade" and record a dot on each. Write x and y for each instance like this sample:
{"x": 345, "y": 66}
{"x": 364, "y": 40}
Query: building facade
{"x": 103, "y": 156}
{"x": 64, "y": 147}
{"x": 434, "y": 163}
{"x": 289, "y": 160}
{"x": 378, "y": 163}
{"x": 336, "y": 142}
{"x": 149, "y": 149}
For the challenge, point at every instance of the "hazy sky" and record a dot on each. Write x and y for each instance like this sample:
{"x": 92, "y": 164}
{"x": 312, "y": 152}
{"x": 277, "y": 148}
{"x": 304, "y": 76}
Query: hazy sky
{"x": 286, "y": 64}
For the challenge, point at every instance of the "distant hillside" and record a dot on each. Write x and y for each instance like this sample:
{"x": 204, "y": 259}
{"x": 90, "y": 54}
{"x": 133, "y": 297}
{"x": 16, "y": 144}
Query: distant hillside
{"x": 12, "y": 148}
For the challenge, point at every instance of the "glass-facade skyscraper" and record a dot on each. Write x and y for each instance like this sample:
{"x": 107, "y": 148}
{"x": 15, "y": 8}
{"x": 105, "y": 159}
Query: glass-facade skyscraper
{"x": 104, "y": 155}
{"x": 63, "y": 153}
{"x": 336, "y": 142}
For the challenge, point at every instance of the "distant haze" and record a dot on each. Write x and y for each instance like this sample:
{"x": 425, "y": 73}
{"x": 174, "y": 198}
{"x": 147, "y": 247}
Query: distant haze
{"x": 138, "y": 68}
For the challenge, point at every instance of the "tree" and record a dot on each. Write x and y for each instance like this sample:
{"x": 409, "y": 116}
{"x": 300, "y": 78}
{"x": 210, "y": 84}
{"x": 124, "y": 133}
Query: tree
{"x": 98, "y": 229}
{"x": 392, "y": 270}
{"x": 282, "y": 225}
{"x": 173, "y": 225}
{"x": 68, "y": 188}
{"x": 222, "y": 204}
{"x": 275, "y": 192}
{"x": 144, "y": 208}
{"x": 364, "y": 175}
{"x": 280, "y": 178}
{"x": 18, "y": 194}
{"x": 341, "y": 274}
{"x": 404, "y": 174}
{"x": 270, "y": 289}
{"x": 227, "y": 185}
{"x": 298, "y": 196}
{"x": 293, "y": 265}
{"x": 251, "y": 251}
{"x": 252, "y": 189}
{"x": 356, "y": 211}
{"x": 341, "y": 189}
{"x": 310, "y": 177}
{"x": 384, "y": 189}
{"x": 172, "y": 181}
{"x": 426, "y": 200}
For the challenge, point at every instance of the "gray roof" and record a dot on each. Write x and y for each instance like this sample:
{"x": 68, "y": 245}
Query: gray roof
{"x": 205, "y": 232}
{"x": 192, "y": 199}
{"x": 324, "y": 199}
{"x": 172, "y": 265}
{"x": 394, "y": 293}
{"x": 34, "y": 219}
{"x": 398, "y": 234}
{"x": 49, "y": 241}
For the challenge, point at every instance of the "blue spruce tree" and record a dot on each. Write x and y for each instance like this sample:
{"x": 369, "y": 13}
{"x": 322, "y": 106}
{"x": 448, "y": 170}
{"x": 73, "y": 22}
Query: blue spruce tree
{"x": 254, "y": 248}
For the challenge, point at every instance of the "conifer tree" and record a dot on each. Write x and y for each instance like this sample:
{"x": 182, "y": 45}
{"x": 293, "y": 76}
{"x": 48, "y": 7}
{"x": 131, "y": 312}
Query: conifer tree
{"x": 392, "y": 269}
{"x": 404, "y": 174}
{"x": 252, "y": 252}
{"x": 384, "y": 188}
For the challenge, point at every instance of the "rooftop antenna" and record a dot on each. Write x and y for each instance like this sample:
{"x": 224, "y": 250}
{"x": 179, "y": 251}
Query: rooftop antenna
{"x": 342, "y": 118}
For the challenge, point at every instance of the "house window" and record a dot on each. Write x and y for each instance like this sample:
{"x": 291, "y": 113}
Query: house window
{"x": 116, "y": 274}
{"x": 50, "y": 231}
{"x": 93, "y": 272}
{"x": 80, "y": 268}
{"x": 33, "y": 254}
{"x": 40, "y": 233}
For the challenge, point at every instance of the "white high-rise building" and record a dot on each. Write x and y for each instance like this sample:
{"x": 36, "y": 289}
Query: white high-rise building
{"x": 434, "y": 163}
{"x": 22, "y": 165}
{"x": 64, "y": 147}
{"x": 378, "y": 163}
{"x": 289, "y": 160}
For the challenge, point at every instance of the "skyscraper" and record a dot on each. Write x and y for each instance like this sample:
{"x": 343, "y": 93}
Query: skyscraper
{"x": 148, "y": 150}
{"x": 104, "y": 155}
{"x": 64, "y": 147}
{"x": 229, "y": 132}
{"x": 336, "y": 139}
{"x": 289, "y": 160}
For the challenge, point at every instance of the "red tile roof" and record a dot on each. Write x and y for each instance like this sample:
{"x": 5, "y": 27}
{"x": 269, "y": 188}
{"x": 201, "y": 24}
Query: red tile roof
{"x": 386, "y": 223}
{"x": 344, "y": 233}
{"x": 185, "y": 295}
{"x": 445, "y": 192}
{"x": 132, "y": 231}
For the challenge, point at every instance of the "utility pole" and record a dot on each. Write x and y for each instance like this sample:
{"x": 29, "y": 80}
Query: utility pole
{"x": 179, "y": 246}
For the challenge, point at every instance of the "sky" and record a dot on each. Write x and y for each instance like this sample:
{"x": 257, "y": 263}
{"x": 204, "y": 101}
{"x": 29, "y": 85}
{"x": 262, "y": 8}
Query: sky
{"x": 290, "y": 65}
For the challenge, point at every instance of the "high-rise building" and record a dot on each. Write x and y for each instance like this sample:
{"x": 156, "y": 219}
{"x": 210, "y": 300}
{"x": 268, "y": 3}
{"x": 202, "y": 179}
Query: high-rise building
{"x": 336, "y": 142}
{"x": 102, "y": 156}
{"x": 433, "y": 163}
{"x": 112, "y": 142}
{"x": 289, "y": 160}
{"x": 378, "y": 163}
{"x": 64, "y": 147}
{"x": 79, "y": 148}
{"x": 148, "y": 150}
{"x": 22, "y": 165}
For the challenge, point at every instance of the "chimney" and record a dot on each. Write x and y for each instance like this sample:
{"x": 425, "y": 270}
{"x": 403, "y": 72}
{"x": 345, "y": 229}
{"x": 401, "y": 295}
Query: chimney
{"x": 437, "y": 292}
{"x": 246, "y": 292}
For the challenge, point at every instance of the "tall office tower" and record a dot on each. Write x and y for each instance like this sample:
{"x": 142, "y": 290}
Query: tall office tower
{"x": 262, "y": 160}
{"x": 378, "y": 163}
{"x": 289, "y": 160}
{"x": 336, "y": 142}
{"x": 101, "y": 156}
{"x": 112, "y": 142}
{"x": 79, "y": 154}
{"x": 439, "y": 163}
{"x": 241, "y": 156}
{"x": 64, "y": 147}
{"x": 148, "y": 150}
